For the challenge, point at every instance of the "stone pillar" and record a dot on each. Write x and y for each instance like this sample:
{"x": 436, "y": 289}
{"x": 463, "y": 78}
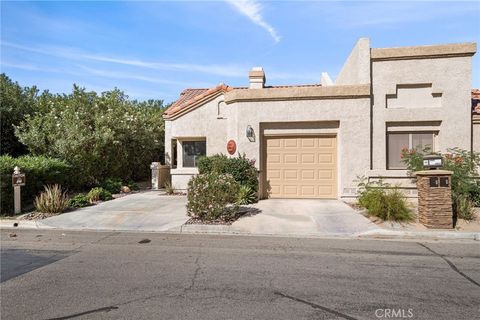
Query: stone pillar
{"x": 155, "y": 166}
{"x": 160, "y": 175}
{"x": 435, "y": 198}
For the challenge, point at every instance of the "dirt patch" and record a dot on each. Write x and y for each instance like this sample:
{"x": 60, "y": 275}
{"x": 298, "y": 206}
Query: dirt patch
{"x": 244, "y": 211}
{"x": 38, "y": 215}
{"x": 209, "y": 222}
{"x": 415, "y": 225}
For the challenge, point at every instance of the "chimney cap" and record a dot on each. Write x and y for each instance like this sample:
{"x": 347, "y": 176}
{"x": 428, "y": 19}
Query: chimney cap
{"x": 257, "y": 78}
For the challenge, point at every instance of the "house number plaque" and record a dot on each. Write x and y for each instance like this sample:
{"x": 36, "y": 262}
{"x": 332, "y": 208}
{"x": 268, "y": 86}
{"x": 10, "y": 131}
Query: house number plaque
{"x": 231, "y": 147}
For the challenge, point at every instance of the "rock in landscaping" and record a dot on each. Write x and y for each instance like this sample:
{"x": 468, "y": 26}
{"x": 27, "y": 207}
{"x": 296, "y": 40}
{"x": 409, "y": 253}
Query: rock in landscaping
{"x": 126, "y": 189}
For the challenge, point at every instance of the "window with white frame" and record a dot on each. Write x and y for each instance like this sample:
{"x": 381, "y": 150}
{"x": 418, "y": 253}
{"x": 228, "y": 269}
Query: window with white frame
{"x": 396, "y": 141}
{"x": 192, "y": 150}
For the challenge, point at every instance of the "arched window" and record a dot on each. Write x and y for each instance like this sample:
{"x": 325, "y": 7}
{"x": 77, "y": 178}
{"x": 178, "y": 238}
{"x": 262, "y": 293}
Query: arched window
{"x": 221, "y": 109}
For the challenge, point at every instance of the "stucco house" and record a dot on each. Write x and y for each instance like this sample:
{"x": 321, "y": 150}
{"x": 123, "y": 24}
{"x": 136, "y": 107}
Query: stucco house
{"x": 313, "y": 141}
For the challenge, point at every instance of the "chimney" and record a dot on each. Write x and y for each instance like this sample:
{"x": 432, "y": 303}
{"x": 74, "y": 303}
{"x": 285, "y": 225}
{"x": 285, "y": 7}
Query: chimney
{"x": 325, "y": 80}
{"x": 257, "y": 78}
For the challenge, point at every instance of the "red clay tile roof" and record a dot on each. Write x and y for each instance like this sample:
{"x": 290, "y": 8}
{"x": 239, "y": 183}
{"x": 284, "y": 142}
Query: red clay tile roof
{"x": 189, "y": 97}
{"x": 476, "y": 101}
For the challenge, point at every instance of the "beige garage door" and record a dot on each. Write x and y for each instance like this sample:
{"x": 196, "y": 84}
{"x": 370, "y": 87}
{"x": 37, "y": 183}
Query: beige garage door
{"x": 302, "y": 167}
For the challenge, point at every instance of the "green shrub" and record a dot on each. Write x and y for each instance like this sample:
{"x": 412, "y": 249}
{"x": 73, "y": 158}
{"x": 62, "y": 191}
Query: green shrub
{"x": 474, "y": 193}
{"x": 212, "y": 196}
{"x": 169, "y": 189}
{"x": 241, "y": 168}
{"x": 463, "y": 206}
{"x": 132, "y": 185}
{"x": 246, "y": 195}
{"x": 52, "y": 200}
{"x": 112, "y": 185}
{"x": 465, "y": 185}
{"x": 383, "y": 201}
{"x": 79, "y": 201}
{"x": 97, "y": 194}
{"x": 39, "y": 171}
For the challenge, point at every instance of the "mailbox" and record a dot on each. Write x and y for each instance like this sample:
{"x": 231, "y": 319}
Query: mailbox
{"x": 435, "y": 198}
{"x": 432, "y": 161}
{"x": 18, "y": 179}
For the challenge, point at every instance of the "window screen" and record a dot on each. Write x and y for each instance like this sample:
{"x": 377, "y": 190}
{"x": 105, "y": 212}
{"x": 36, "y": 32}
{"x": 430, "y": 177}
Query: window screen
{"x": 398, "y": 141}
{"x": 192, "y": 150}
{"x": 421, "y": 141}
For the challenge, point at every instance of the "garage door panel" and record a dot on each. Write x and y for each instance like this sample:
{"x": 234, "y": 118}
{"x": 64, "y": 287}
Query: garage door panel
{"x": 291, "y": 158}
{"x": 325, "y": 191}
{"x": 325, "y": 158}
{"x": 325, "y": 174}
{"x": 274, "y": 158}
{"x": 308, "y": 158}
{"x": 274, "y": 174}
{"x": 290, "y": 174}
{"x": 326, "y": 142}
{"x": 274, "y": 143}
{"x": 308, "y": 191}
{"x": 307, "y": 142}
{"x": 290, "y": 143}
{"x": 301, "y": 167}
{"x": 308, "y": 174}
{"x": 291, "y": 190}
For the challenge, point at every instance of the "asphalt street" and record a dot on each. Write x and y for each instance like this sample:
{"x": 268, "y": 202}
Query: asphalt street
{"x": 113, "y": 275}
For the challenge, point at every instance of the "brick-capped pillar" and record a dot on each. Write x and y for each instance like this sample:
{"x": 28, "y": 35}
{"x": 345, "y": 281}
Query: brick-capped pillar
{"x": 435, "y": 198}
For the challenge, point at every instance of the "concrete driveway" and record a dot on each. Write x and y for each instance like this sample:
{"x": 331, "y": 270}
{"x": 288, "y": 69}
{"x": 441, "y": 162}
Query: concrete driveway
{"x": 304, "y": 217}
{"x": 144, "y": 211}
{"x": 154, "y": 211}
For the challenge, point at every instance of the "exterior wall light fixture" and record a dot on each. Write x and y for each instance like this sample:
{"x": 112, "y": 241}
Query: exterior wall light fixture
{"x": 250, "y": 133}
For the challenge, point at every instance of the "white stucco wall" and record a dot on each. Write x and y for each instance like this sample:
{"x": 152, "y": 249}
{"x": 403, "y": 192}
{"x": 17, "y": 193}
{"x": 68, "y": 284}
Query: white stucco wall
{"x": 360, "y": 122}
{"x": 356, "y": 69}
{"x": 352, "y": 132}
{"x": 450, "y": 77}
{"x": 202, "y": 122}
{"x": 351, "y": 116}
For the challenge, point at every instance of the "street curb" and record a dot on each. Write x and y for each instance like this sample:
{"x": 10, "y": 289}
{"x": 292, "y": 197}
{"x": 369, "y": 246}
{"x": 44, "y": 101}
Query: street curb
{"x": 23, "y": 224}
{"x": 208, "y": 228}
{"x": 433, "y": 235}
{"x": 229, "y": 230}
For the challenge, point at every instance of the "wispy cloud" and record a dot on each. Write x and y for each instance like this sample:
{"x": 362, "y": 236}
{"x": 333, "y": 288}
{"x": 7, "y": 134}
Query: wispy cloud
{"x": 84, "y": 70}
{"x": 129, "y": 76}
{"x": 252, "y": 9}
{"x": 74, "y": 54}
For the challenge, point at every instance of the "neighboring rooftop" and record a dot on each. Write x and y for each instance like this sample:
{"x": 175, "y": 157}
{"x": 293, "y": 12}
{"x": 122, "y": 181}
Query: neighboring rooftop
{"x": 476, "y": 101}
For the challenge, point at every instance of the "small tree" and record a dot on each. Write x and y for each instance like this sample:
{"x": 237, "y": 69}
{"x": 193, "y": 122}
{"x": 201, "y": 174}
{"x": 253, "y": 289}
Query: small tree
{"x": 16, "y": 102}
{"x": 102, "y": 135}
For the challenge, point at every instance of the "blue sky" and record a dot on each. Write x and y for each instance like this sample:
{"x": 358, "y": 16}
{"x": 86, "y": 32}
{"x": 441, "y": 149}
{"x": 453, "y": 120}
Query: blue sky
{"x": 156, "y": 49}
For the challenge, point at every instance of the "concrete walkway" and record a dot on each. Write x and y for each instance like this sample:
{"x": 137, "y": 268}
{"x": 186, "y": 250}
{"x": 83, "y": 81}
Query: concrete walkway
{"x": 144, "y": 211}
{"x": 304, "y": 217}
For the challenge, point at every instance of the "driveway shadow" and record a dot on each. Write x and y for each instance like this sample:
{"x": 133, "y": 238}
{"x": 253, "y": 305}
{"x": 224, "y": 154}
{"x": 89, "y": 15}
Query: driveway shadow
{"x": 245, "y": 211}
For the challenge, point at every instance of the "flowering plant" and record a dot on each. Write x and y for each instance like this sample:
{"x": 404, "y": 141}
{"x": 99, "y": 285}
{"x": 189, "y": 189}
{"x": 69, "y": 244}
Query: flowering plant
{"x": 465, "y": 177}
{"x": 212, "y": 196}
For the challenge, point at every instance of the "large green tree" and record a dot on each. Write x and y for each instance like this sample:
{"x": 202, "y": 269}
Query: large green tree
{"x": 102, "y": 135}
{"x": 15, "y": 103}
